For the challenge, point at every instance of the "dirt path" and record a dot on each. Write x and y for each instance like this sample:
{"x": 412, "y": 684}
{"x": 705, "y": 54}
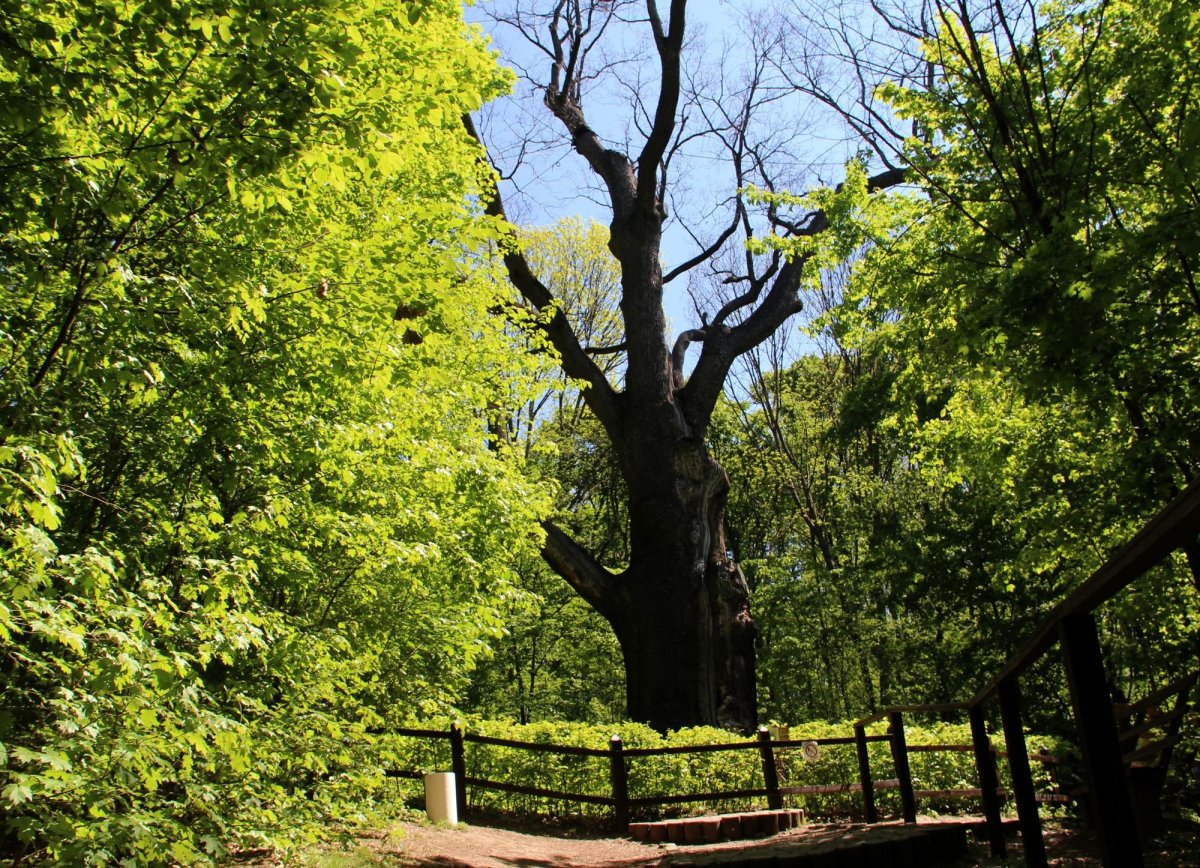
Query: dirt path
{"x": 420, "y": 845}
{"x": 487, "y": 846}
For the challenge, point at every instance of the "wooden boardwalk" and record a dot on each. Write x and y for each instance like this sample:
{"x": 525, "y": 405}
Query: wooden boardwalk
{"x": 876, "y": 845}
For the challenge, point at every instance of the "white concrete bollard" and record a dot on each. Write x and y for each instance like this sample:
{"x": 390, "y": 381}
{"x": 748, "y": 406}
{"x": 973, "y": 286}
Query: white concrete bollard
{"x": 440, "y": 802}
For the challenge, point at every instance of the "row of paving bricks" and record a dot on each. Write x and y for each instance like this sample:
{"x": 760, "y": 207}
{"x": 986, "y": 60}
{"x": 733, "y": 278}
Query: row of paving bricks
{"x": 710, "y": 830}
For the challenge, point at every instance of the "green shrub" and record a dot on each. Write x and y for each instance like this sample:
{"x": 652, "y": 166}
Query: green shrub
{"x": 157, "y": 722}
{"x": 698, "y": 773}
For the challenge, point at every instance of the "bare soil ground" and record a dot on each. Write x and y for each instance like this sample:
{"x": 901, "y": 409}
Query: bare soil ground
{"x": 556, "y": 846}
{"x": 507, "y": 844}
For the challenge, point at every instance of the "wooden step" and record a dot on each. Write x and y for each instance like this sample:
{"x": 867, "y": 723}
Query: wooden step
{"x": 714, "y": 828}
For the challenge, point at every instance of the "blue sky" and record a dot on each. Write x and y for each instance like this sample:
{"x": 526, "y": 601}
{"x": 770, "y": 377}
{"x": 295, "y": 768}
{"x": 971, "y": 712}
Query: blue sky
{"x": 554, "y": 183}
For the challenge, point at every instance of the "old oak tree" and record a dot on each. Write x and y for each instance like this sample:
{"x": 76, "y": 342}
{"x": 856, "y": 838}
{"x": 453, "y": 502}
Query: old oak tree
{"x": 680, "y": 607}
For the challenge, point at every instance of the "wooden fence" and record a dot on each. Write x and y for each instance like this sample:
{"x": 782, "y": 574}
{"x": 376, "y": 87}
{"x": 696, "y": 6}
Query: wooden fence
{"x": 1072, "y": 627}
{"x": 621, "y": 767}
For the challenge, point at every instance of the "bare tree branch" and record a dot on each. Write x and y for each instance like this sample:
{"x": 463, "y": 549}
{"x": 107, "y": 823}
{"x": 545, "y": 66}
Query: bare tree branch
{"x": 669, "y": 45}
{"x": 679, "y": 352}
{"x": 723, "y": 344}
{"x": 705, "y": 254}
{"x": 582, "y": 572}
{"x": 600, "y": 396}
{"x": 606, "y": 351}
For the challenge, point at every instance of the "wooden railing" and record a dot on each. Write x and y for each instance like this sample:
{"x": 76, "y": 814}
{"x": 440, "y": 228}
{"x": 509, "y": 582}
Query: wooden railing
{"x": 620, "y": 760}
{"x": 901, "y": 751}
{"x": 1072, "y": 626}
{"x": 621, "y": 767}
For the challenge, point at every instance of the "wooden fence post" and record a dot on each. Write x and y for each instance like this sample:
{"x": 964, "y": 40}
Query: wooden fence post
{"x": 900, "y": 757}
{"x": 989, "y": 781}
{"x": 1009, "y": 695}
{"x": 770, "y": 772}
{"x": 864, "y": 774}
{"x": 458, "y": 764}
{"x": 1103, "y": 769}
{"x": 620, "y": 781}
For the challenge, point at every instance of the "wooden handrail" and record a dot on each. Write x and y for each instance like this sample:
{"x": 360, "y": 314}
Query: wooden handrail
{"x": 1176, "y": 526}
{"x": 1153, "y": 749}
{"x": 1161, "y": 722}
{"x": 831, "y": 789}
{"x": 691, "y": 748}
{"x": 745, "y": 745}
{"x": 414, "y": 733}
{"x": 1156, "y": 698}
{"x": 933, "y": 708}
{"x": 620, "y": 800}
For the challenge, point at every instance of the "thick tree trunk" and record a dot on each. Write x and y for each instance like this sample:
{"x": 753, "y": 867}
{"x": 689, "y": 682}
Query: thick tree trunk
{"x": 682, "y": 610}
{"x": 689, "y": 658}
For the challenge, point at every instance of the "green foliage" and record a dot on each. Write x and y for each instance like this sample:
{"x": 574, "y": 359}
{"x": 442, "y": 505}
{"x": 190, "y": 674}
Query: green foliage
{"x": 572, "y": 259}
{"x": 1046, "y": 295}
{"x": 854, "y": 216}
{"x": 876, "y": 580}
{"x": 247, "y": 502}
{"x": 1003, "y": 393}
{"x": 118, "y": 745}
{"x": 680, "y": 774}
{"x": 557, "y": 659}
{"x": 1052, "y": 251}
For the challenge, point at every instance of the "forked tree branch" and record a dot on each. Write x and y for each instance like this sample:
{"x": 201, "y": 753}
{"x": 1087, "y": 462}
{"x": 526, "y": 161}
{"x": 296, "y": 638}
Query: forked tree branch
{"x": 723, "y": 344}
{"x": 569, "y": 44}
{"x": 599, "y": 394}
{"x": 669, "y": 45}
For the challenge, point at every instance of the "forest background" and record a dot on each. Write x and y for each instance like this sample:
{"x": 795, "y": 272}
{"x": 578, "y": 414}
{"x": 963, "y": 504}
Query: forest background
{"x": 277, "y": 439}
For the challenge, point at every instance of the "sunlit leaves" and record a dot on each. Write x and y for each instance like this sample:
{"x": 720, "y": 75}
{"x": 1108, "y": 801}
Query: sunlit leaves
{"x": 245, "y": 508}
{"x": 1040, "y": 300}
{"x": 852, "y": 215}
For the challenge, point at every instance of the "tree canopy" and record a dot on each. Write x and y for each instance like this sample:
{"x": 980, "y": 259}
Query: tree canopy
{"x": 1028, "y": 303}
{"x": 1046, "y": 257}
{"x": 249, "y": 503}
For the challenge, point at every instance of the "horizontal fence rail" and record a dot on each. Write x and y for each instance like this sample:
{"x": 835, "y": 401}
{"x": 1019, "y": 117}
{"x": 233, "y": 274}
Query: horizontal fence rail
{"x": 621, "y": 759}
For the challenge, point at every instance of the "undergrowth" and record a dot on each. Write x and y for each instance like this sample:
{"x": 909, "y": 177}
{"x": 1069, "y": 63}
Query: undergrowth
{"x": 698, "y": 773}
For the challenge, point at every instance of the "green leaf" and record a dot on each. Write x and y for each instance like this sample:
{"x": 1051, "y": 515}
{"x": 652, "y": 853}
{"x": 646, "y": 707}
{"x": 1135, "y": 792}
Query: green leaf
{"x": 16, "y": 793}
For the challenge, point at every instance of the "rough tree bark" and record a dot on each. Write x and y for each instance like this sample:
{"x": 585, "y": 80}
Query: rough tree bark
{"x": 681, "y": 609}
